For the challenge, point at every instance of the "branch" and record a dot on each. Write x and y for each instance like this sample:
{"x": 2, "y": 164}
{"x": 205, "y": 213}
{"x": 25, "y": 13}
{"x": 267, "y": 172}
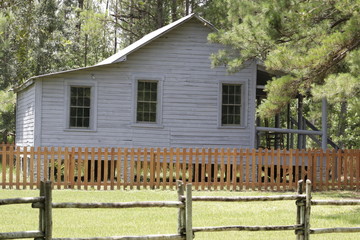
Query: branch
{"x": 340, "y": 21}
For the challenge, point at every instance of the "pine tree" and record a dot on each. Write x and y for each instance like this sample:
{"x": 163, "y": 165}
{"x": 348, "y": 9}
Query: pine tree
{"x": 315, "y": 44}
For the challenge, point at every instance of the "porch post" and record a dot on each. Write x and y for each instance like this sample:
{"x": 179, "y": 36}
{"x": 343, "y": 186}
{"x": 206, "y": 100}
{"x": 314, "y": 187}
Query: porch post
{"x": 324, "y": 124}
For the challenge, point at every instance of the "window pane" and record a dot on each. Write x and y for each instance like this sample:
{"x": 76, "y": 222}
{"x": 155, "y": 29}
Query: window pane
{"x": 153, "y": 108}
{"x": 153, "y": 96}
{"x": 87, "y": 112}
{"x": 72, "y": 122}
{"x": 147, "y": 97}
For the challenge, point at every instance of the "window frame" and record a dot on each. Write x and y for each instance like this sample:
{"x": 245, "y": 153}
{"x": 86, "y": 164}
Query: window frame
{"x": 244, "y": 103}
{"x": 93, "y": 103}
{"x": 149, "y": 78}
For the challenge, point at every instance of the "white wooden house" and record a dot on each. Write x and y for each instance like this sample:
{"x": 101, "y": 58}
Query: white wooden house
{"x": 160, "y": 91}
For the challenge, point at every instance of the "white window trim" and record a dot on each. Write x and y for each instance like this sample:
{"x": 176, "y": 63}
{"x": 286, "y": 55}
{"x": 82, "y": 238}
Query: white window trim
{"x": 93, "y": 105}
{"x": 244, "y": 105}
{"x": 147, "y": 77}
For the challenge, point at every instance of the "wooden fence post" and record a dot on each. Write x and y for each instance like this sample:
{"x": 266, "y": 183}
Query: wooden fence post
{"x": 42, "y": 209}
{"x": 300, "y": 211}
{"x": 47, "y": 217}
{"x": 188, "y": 210}
{"x": 307, "y": 210}
{"x": 181, "y": 214}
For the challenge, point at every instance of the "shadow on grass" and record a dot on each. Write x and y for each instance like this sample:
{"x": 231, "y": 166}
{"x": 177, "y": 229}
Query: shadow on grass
{"x": 340, "y": 194}
{"x": 350, "y": 216}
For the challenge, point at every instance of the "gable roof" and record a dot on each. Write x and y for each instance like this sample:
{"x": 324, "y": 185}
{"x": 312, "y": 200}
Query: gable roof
{"x": 121, "y": 55}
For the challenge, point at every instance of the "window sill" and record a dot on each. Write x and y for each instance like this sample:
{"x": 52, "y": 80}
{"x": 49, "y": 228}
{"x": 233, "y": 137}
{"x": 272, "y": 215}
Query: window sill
{"x": 79, "y": 130}
{"x": 232, "y": 127}
{"x": 147, "y": 125}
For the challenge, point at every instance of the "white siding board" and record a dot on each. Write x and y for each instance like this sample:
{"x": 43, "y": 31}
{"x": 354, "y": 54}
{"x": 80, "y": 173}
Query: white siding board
{"x": 190, "y": 97}
{"x": 25, "y": 117}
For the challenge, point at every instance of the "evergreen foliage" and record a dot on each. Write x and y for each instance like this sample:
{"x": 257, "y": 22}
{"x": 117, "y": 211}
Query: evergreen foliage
{"x": 314, "y": 44}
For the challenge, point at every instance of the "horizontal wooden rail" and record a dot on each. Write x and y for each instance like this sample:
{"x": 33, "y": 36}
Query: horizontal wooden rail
{"x": 152, "y": 237}
{"x": 248, "y": 198}
{"x": 247, "y": 228}
{"x": 167, "y": 204}
{"x": 25, "y": 234}
{"x": 335, "y": 230}
{"x": 335, "y": 202}
{"x": 21, "y": 200}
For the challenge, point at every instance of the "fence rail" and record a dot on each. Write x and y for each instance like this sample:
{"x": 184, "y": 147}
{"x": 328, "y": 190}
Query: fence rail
{"x": 215, "y": 169}
{"x": 185, "y": 229}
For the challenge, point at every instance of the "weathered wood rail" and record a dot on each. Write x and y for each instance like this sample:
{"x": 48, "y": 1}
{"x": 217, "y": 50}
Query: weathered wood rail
{"x": 185, "y": 229}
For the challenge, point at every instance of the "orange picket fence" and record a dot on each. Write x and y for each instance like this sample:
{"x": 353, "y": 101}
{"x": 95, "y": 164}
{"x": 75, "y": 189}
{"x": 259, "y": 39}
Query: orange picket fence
{"x": 206, "y": 169}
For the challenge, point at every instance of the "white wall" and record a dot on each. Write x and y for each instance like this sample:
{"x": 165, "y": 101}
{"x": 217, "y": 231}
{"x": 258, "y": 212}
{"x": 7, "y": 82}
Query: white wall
{"x": 190, "y": 97}
{"x": 25, "y": 116}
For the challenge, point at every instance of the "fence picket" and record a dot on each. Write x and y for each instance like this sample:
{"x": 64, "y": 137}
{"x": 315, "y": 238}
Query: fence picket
{"x": 203, "y": 165}
{"x": 152, "y": 168}
{"x": 346, "y": 158}
{"x": 24, "y": 170}
{"x": 106, "y": 167}
{"x": 3, "y": 164}
{"x": 228, "y": 168}
{"x": 197, "y": 169}
{"x": 222, "y": 169}
{"x": 145, "y": 168}
{"x": 247, "y": 169}
{"x": 183, "y": 164}
{"x": 234, "y": 169}
{"x": 291, "y": 167}
{"x": 259, "y": 168}
{"x": 351, "y": 168}
{"x": 216, "y": 169}
{"x": 164, "y": 166}
{"x": 241, "y": 172}
{"x": 158, "y": 167}
{"x": 126, "y": 154}
{"x": 86, "y": 167}
{"x": 321, "y": 170}
{"x": 11, "y": 166}
{"x": 171, "y": 168}
{"x": 208, "y": 169}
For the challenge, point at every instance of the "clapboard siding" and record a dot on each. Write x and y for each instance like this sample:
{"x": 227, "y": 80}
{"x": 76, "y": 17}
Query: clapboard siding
{"x": 25, "y": 117}
{"x": 190, "y": 97}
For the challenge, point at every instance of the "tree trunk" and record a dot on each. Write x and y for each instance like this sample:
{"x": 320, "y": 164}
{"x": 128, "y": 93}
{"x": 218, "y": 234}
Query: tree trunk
{"x": 160, "y": 18}
{"x": 342, "y": 122}
{"x": 115, "y": 27}
{"x": 173, "y": 10}
{"x": 187, "y": 7}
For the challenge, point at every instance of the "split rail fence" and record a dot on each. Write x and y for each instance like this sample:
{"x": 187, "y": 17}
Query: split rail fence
{"x": 215, "y": 169}
{"x": 185, "y": 230}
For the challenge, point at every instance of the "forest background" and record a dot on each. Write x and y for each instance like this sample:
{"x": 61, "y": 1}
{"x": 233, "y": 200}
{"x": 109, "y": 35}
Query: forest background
{"x": 314, "y": 44}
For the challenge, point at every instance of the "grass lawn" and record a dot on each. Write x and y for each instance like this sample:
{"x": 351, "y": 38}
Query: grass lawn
{"x": 117, "y": 222}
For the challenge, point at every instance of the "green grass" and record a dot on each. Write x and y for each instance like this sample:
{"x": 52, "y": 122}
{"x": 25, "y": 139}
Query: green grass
{"x": 117, "y": 222}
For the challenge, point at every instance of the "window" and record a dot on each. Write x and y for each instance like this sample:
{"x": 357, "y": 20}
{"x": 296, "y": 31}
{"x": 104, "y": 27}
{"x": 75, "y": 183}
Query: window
{"x": 147, "y": 101}
{"x": 231, "y": 105}
{"x": 80, "y": 107}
